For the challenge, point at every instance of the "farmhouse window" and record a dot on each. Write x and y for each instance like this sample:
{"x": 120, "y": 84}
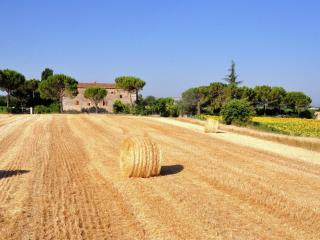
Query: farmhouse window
{"x": 88, "y": 104}
{"x": 77, "y": 102}
{"x": 120, "y": 96}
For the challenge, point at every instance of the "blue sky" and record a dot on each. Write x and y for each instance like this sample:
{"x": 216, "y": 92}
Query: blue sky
{"x": 171, "y": 44}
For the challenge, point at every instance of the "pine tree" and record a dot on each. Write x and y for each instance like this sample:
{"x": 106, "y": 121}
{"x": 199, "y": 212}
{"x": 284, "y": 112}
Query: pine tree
{"x": 231, "y": 78}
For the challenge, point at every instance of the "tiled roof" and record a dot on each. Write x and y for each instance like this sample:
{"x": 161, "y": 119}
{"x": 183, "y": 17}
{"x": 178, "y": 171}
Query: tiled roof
{"x": 95, "y": 84}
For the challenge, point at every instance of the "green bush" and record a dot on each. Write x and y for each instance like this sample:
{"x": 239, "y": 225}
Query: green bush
{"x": 120, "y": 107}
{"x": 54, "y": 107}
{"x": 166, "y": 107}
{"x": 307, "y": 114}
{"x": 3, "y": 109}
{"x": 138, "y": 109}
{"x": 237, "y": 111}
{"x": 41, "y": 109}
{"x": 172, "y": 109}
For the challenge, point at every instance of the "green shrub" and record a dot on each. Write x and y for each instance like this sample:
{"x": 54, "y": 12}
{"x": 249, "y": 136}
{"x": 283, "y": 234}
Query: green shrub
{"x": 3, "y": 109}
{"x": 237, "y": 111}
{"x": 138, "y": 109}
{"x": 172, "y": 109}
{"x": 54, "y": 107}
{"x": 166, "y": 107}
{"x": 307, "y": 114}
{"x": 41, "y": 109}
{"x": 120, "y": 107}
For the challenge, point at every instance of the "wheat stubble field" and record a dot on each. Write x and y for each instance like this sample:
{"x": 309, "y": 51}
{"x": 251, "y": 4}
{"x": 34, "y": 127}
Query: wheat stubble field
{"x": 60, "y": 179}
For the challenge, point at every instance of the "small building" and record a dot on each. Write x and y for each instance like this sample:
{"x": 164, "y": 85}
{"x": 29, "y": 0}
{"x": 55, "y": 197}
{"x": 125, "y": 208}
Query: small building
{"x": 82, "y": 104}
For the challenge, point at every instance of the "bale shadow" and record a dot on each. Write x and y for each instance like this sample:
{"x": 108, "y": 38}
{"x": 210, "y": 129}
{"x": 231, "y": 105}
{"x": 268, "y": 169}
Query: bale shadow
{"x": 220, "y": 131}
{"x": 171, "y": 169}
{"x": 216, "y": 132}
{"x": 11, "y": 173}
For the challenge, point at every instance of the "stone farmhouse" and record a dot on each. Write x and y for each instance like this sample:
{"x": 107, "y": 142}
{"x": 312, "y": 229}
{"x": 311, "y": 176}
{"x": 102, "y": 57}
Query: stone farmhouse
{"x": 81, "y": 104}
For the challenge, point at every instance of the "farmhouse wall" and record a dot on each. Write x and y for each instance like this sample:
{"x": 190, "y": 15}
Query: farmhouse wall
{"x": 80, "y": 103}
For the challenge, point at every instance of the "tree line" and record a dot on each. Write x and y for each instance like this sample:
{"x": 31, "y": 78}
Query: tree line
{"x": 46, "y": 94}
{"x": 49, "y": 91}
{"x": 266, "y": 100}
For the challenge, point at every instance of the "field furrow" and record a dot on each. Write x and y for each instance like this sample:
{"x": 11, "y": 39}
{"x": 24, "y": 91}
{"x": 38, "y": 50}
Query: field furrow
{"x": 60, "y": 179}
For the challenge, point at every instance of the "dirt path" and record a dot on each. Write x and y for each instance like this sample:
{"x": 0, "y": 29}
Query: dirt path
{"x": 253, "y": 142}
{"x": 308, "y": 143}
{"x": 59, "y": 179}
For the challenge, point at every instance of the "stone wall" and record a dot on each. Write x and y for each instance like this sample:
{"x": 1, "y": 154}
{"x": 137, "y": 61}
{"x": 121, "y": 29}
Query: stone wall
{"x": 80, "y": 103}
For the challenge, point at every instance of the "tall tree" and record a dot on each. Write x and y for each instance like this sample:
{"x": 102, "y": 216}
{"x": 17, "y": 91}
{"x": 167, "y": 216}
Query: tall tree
{"x": 131, "y": 84}
{"x": 277, "y": 95}
{"x": 231, "y": 79}
{"x": 46, "y": 73}
{"x": 263, "y": 97}
{"x": 216, "y": 97}
{"x": 190, "y": 101}
{"x": 247, "y": 94}
{"x": 150, "y": 104}
{"x": 297, "y": 101}
{"x": 27, "y": 94}
{"x": 57, "y": 86}
{"x": 166, "y": 107}
{"x": 96, "y": 95}
{"x": 202, "y": 93}
{"x": 21, "y": 95}
{"x": 10, "y": 80}
{"x": 194, "y": 98}
{"x": 32, "y": 85}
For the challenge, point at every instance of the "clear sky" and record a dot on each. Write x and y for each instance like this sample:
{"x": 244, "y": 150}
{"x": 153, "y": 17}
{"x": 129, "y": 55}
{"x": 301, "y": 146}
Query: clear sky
{"x": 171, "y": 44}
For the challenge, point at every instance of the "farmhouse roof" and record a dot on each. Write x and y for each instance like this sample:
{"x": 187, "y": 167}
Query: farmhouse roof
{"x": 95, "y": 84}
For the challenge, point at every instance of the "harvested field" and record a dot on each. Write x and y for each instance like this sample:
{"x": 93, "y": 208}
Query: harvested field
{"x": 60, "y": 179}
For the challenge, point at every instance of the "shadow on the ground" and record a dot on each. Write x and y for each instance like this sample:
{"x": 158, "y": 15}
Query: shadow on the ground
{"x": 171, "y": 169}
{"x": 217, "y": 132}
{"x": 220, "y": 131}
{"x": 11, "y": 173}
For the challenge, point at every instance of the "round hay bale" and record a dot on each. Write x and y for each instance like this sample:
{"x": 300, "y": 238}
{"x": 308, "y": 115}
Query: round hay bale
{"x": 211, "y": 126}
{"x": 140, "y": 157}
